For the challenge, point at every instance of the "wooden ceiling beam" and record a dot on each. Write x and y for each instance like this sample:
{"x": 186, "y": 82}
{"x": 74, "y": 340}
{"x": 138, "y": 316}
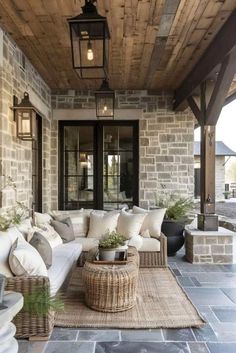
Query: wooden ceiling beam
{"x": 224, "y": 80}
{"x": 222, "y": 45}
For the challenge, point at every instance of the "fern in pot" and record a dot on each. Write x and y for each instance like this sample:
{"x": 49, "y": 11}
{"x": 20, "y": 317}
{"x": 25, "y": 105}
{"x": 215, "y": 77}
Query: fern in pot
{"x": 109, "y": 244}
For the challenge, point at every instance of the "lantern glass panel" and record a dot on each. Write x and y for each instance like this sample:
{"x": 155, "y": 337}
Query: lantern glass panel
{"x": 91, "y": 36}
{"x": 105, "y": 105}
{"x": 26, "y": 124}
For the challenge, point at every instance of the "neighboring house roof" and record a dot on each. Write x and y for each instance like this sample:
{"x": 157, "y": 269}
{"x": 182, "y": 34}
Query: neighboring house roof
{"x": 221, "y": 149}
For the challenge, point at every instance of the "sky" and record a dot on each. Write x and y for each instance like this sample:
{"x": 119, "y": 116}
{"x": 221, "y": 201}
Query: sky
{"x": 226, "y": 126}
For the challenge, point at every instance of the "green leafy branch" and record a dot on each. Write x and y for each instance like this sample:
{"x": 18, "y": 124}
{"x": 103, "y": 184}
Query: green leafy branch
{"x": 41, "y": 303}
{"x": 177, "y": 207}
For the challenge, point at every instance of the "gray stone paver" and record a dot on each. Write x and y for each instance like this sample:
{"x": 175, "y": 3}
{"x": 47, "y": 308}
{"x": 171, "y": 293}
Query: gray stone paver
{"x": 213, "y": 290}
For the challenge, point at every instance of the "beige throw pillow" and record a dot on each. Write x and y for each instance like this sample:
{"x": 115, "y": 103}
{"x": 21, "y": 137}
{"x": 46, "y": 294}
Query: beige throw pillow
{"x": 129, "y": 224}
{"x": 24, "y": 260}
{"x": 40, "y": 243}
{"x": 152, "y": 221}
{"x": 65, "y": 229}
{"x": 102, "y": 223}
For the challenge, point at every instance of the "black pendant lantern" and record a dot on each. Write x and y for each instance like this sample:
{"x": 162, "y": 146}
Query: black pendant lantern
{"x": 25, "y": 117}
{"x": 89, "y": 42}
{"x": 105, "y": 101}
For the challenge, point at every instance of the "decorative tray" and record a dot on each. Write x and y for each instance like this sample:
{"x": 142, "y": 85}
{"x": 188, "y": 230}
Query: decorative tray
{"x": 116, "y": 262}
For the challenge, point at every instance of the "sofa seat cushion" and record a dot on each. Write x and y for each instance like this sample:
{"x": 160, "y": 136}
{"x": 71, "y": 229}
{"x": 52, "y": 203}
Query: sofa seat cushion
{"x": 86, "y": 243}
{"x": 150, "y": 244}
{"x": 136, "y": 241}
{"x": 63, "y": 257}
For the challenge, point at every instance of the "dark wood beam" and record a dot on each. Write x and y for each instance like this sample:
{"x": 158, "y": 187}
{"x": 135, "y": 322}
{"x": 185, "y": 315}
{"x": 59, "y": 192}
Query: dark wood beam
{"x": 195, "y": 109}
{"x": 230, "y": 98}
{"x": 224, "y": 80}
{"x": 223, "y": 44}
{"x": 207, "y": 159}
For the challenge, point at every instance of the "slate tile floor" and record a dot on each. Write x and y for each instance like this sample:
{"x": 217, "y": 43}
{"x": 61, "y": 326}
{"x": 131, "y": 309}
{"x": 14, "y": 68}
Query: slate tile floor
{"x": 212, "y": 289}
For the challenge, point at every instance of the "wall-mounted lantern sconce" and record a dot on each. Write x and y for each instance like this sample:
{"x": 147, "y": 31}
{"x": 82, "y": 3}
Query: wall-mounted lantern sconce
{"x": 89, "y": 36}
{"x": 105, "y": 101}
{"x": 25, "y": 118}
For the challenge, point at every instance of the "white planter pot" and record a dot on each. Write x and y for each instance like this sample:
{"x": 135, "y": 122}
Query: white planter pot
{"x": 109, "y": 254}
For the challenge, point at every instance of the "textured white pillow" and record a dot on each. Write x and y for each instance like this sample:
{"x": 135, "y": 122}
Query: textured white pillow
{"x": 24, "y": 260}
{"x": 102, "y": 223}
{"x": 152, "y": 221}
{"x": 48, "y": 232}
{"x": 7, "y": 238}
{"x": 129, "y": 224}
{"x": 41, "y": 218}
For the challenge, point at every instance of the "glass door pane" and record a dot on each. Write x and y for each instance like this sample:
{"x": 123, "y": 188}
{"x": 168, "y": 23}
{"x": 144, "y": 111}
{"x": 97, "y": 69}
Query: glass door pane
{"x": 78, "y": 167}
{"x": 117, "y": 167}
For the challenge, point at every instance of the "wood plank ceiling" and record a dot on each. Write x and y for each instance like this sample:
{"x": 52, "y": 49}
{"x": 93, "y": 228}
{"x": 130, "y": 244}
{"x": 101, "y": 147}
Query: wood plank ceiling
{"x": 154, "y": 43}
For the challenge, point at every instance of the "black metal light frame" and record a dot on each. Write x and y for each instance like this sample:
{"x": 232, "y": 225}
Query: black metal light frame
{"x": 105, "y": 97}
{"x": 25, "y": 118}
{"x": 86, "y": 28}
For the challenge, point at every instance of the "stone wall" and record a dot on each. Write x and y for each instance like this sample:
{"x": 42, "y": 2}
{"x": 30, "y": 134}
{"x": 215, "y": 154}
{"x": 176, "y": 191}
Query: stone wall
{"x": 16, "y": 76}
{"x": 166, "y": 139}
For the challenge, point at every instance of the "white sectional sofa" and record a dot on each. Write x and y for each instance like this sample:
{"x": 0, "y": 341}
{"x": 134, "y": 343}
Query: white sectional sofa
{"x": 86, "y": 233}
{"x": 64, "y": 257}
{"x": 152, "y": 250}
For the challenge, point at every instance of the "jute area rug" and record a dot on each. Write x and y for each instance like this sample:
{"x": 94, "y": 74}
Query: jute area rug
{"x": 161, "y": 303}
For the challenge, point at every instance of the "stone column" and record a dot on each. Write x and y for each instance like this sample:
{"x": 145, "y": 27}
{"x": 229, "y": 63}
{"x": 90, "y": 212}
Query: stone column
{"x": 14, "y": 303}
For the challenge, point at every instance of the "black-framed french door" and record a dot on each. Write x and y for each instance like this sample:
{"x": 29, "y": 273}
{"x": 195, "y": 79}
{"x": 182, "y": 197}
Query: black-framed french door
{"x": 98, "y": 164}
{"x": 37, "y": 167}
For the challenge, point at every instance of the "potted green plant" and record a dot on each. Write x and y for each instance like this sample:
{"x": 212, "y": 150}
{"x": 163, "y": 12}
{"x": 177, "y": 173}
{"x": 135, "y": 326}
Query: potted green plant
{"x": 176, "y": 218}
{"x": 109, "y": 244}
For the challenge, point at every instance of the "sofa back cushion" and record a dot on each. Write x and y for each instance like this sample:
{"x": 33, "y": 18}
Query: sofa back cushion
{"x": 102, "y": 223}
{"x": 6, "y": 240}
{"x": 79, "y": 220}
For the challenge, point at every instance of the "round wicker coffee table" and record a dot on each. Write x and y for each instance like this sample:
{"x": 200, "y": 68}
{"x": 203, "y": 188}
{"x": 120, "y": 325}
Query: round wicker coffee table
{"x": 111, "y": 288}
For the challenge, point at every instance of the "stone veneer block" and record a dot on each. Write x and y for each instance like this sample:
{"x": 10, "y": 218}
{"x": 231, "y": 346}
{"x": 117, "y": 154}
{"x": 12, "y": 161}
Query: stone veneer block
{"x": 213, "y": 247}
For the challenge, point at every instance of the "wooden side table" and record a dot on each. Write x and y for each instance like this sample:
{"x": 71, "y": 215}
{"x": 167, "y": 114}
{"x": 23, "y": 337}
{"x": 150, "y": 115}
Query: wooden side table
{"x": 14, "y": 303}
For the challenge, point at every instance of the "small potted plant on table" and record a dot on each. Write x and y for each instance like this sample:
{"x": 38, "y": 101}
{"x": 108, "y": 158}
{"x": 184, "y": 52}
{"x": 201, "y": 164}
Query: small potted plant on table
{"x": 109, "y": 244}
{"x": 175, "y": 220}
